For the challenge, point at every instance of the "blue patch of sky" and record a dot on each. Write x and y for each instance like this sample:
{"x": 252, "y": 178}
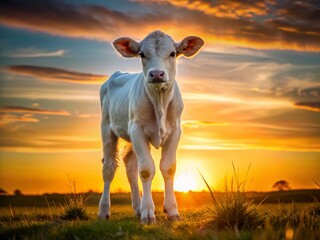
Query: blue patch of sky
{"x": 307, "y": 63}
{"x": 296, "y": 57}
{"x": 116, "y": 5}
{"x": 236, "y": 57}
{"x": 280, "y": 56}
{"x": 82, "y": 55}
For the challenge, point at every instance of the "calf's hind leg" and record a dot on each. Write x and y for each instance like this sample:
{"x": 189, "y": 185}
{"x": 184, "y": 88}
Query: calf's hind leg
{"x": 109, "y": 166}
{"x": 131, "y": 163}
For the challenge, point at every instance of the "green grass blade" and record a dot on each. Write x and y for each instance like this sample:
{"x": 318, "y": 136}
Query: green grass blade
{"x": 209, "y": 188}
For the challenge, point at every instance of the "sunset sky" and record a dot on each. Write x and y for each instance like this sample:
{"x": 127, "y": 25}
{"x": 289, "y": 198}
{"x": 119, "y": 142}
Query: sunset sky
{"x": 252, "y": 94}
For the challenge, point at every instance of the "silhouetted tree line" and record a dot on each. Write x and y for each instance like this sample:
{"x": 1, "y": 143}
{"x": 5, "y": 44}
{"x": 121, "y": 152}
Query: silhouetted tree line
{"x": 16, "y": 192}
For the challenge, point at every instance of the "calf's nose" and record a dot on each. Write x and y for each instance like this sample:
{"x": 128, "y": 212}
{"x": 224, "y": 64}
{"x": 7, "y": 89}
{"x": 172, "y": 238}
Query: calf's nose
{"x": 156, "y": 75}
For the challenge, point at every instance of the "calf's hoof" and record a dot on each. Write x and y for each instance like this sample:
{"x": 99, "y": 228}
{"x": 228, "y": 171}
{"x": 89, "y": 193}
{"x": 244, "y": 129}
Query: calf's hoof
{"x": 148, "y": 221}
{"x": 138, "y": 215}
{"x": 106, "y": 217}
{"x": 174, "y": 218}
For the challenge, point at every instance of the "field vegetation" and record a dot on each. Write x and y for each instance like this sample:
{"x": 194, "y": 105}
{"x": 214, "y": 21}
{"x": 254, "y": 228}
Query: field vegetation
{"x": 283, "y": 215}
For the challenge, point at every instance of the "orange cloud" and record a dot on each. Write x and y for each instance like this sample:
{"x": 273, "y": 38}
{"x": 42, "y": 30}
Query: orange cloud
{"x": 56, "y": 74}
{"x": 311, "y": 106}
{"x": 251, "y": 135}
{"x": 227, "y": 22}
{"x": 12, "y": 114}
{"x": 223, "y": 9}
{"x": 18, "y": 109}
{"x": 196, "y": 123}
{"x": 234, "y": 22}
{"x": 62, "y": 144}
{"x": 11, "y": 118}
{"x": 49, "y": 134}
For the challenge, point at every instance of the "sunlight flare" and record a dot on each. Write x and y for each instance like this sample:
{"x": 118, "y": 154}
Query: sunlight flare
{"x": 185, "y": 182}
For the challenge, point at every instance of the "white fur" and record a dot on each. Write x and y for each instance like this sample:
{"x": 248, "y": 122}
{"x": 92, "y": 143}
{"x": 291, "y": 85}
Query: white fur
{"x": 144, "y": 113}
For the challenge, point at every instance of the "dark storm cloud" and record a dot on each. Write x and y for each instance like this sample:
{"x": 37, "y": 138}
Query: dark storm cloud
{"x": 56, "y": 17}
{"x": 261, "y": 24}
{"x": 61, "y": 18}
{"x": 266, "y": 24}
{"x": 300, "y": 11}
{"x": 312, "y": 106}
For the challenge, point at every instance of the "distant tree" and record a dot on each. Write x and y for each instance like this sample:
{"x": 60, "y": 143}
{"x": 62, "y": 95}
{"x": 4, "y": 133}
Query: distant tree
{"x": 17, "y": 192}
{"x": 281, "y": 185}
{"x": 3, "y": 192}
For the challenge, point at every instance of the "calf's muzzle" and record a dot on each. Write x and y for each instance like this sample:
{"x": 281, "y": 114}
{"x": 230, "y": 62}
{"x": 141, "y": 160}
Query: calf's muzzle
{"x": 156, "y": 76}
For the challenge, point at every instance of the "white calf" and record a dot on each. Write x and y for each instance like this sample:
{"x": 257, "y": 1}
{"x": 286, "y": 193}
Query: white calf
{"x": 144, "y": 108}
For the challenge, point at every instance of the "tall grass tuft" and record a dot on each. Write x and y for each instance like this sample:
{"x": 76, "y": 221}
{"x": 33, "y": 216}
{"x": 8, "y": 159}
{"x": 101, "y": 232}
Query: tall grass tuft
{"x": 315, "y": 210}
{"x": 233, "y": 210}
{"x": 75, "y": 204}
{"x": 285, "y": 218}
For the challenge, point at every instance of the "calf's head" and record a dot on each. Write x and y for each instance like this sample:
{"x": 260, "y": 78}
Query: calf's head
{"x": 158, "y": 53}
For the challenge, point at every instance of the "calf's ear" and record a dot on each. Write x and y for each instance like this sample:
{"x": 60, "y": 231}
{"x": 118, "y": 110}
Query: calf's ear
{"x": 189, "y": 46}
{"x": 127, "y": 47}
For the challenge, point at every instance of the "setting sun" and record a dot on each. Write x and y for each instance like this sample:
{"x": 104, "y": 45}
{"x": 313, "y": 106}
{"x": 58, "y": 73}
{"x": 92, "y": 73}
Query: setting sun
{"x": 184, "y": 183}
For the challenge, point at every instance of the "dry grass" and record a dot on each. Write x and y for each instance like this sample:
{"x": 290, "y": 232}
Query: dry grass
{"x": 233, "y": 210}
{"x": 75, "y": 206}
{"x": 233, "y": 216}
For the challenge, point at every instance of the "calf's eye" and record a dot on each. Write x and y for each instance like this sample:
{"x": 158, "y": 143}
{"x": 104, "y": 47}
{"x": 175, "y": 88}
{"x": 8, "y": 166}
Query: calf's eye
{"x": 142, "y": 55}
{"x": 173, "y": 54}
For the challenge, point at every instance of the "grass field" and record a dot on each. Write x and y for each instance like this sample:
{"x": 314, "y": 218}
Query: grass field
{"x": 40, "y": 217}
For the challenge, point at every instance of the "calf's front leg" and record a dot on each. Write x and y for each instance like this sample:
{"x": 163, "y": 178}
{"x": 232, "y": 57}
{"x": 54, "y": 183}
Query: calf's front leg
{"x": 168, "y": 168}
{"x": 146, "y": 170}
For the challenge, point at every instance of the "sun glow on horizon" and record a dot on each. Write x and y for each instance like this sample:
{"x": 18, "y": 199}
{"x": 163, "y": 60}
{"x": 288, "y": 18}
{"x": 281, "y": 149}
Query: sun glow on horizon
{"x": 187, "y": 178}
{"x": 184, "y": 183}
